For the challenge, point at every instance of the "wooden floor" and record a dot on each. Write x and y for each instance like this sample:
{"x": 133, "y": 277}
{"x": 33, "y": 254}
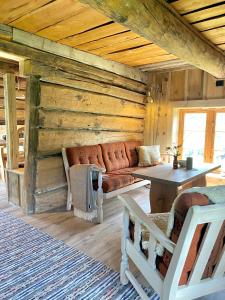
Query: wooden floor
{"x": 101, "y": 242}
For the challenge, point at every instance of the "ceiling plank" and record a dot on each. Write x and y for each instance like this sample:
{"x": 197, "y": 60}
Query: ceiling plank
{"x": 210, "y": 24}
{"x": 12, "y": 10}
{"x": 222, "y": 46}
{"x": 186, "y": 6}
{"x": 157, "y": 21}
{"x": 137, "y": 42}
{"x": 48, "y": 15}
{"x": 111, "y": 40}
{"x": 141, "y": 52}
{"x": 85, "y": 20}
{"x": 217, "y": 36}
{"x": 93, "y": 34}
{"x": 152, "y": 60}
{"x": 205, "y": 14}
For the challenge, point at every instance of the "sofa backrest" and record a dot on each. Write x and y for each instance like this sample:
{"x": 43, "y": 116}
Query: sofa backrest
{"x": 85, "y": 155}
{"x": 114, "y": 156}
{"x": 131, "y": 148}
{"x": 183, "y": 204}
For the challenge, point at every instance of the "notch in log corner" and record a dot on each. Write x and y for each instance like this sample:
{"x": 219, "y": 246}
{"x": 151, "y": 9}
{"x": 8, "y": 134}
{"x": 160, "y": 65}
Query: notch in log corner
{"x": 156, "y": 21}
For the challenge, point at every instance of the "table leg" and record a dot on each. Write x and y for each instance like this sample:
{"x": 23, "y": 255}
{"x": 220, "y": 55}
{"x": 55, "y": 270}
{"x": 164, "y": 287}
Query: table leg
{"x": 162, "y": 196}
{"x": 200, "y": 181}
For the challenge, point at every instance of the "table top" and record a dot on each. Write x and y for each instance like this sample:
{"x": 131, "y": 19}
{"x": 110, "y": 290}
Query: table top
{"x": 165, "y": 173}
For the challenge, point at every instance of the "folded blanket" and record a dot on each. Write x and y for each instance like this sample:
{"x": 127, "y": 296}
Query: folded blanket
{"x": 84, "y": 198}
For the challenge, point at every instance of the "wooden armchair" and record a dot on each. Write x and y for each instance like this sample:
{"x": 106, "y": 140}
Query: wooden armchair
{"x": 202, "y": 231}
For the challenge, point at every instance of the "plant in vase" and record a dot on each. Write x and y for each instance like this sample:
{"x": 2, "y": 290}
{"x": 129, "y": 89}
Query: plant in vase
{"x": 174, "y": 150}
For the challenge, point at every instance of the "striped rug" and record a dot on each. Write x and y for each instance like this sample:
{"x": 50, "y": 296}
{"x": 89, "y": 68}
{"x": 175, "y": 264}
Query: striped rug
{"x": 34, "y": 265}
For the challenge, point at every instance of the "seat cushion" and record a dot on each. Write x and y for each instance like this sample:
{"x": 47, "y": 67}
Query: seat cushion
{"x": 125, "y": 171}
{"x": 113, "y": 182}
{"x": 85, "y": 155}
{"x": 114, "y": 156}
{"x": 132, "y": 152}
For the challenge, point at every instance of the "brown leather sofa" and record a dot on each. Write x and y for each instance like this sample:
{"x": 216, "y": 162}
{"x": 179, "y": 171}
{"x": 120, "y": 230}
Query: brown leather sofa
{"x": 118, "y": 160}
{"x": 114, "y": 164}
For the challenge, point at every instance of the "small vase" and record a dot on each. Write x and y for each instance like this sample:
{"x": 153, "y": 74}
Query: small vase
{"x": 175, "y": 162}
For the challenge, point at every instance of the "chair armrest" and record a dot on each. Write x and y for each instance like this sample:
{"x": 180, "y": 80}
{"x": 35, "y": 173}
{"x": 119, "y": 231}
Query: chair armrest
{"x": 143, "y": 219}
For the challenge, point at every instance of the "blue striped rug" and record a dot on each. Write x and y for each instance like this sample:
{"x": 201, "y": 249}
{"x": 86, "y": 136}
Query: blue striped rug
{"x": 34, "y": 265}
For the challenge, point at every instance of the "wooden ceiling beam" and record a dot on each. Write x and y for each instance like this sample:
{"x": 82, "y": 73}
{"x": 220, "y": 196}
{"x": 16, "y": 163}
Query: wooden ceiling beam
{"x": 170, "y": 65}
{"x": 9, "y": 66}
{"x": 157, "y": 21}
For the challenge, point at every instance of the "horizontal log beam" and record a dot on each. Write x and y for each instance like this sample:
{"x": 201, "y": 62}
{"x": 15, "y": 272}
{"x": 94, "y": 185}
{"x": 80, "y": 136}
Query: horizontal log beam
{"x": 157, "y": 21}
{"x": 9, "y": 67}
{"x": 94, "y": 122}
{"x": 27, "y": 45}
{"x": 51, "y": 141}
{"x": 80, "y": 82}
{"x": 5, "y": 32}
{"x": 170, "y": 65}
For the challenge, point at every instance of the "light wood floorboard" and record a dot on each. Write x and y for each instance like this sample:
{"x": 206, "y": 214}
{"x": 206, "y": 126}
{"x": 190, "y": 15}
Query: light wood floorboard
{"x": 101, "y": 242}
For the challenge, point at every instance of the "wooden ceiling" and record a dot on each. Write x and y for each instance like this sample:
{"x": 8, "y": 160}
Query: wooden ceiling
{"x": 77, "y": 25}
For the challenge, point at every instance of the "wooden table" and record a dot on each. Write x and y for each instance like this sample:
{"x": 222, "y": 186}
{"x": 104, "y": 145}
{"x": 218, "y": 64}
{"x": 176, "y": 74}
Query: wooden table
{"x": 166, "y": 182}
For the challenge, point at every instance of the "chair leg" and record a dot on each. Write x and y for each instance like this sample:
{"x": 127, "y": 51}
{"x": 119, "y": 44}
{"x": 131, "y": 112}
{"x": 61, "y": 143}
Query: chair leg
{"x": 124, "y": 260}
{"x": 123, "y": 267}
{"x": 100, "y": 211}
{"x": 69, "y": 201}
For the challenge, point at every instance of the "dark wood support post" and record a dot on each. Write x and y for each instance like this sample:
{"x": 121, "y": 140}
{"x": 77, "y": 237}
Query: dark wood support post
{"x": 31, "y": 141}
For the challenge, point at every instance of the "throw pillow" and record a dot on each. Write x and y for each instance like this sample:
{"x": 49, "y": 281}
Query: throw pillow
{"x": 149, "y": 155}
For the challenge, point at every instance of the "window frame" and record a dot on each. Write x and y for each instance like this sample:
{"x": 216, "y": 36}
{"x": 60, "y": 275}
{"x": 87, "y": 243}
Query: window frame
{"x": 209, "y": 133}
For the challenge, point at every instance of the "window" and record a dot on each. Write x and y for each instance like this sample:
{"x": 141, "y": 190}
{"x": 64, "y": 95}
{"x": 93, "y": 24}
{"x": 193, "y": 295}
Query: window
{"x": 194, "y": 136}
{"x": 202, "y": 135}
{"x": 219, "y": 141}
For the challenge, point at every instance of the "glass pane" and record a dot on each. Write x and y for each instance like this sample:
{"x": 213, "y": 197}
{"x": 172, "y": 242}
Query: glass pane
{"x": 219, "y": 142}
{"x": 194, "y": 136}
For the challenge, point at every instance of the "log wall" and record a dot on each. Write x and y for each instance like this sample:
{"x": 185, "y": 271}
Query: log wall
{"x": 173, "y": 90}
{"x": 76, "y": 111}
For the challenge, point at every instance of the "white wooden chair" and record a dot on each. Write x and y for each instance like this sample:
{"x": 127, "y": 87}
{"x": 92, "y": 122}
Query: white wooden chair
{"x": 168, "y": 287}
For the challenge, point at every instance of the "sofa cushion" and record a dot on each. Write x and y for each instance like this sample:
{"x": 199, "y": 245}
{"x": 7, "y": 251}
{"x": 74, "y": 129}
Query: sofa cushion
{"x": 149, "y": 155}
{"x": 125, "y": 171}
{"x": 85, "y": 155}
{"x": 185, "y": 202}
{"x": 113, "y": 182}
{"x": 132, "y": 152}
{"x": 114, "y": 156}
